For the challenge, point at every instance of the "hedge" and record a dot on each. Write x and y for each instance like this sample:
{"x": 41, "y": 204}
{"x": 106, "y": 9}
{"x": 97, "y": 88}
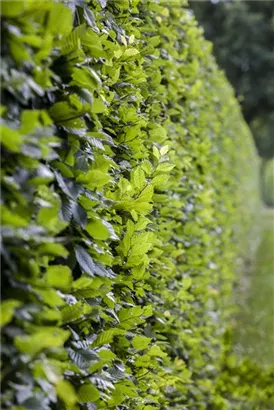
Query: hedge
{"x": 267, "y": 182}
{"x": 127, "y": 192}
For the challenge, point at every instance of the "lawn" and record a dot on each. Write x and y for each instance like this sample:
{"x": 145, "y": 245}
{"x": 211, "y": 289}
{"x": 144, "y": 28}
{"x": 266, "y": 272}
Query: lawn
{"x": 254, "y": 333}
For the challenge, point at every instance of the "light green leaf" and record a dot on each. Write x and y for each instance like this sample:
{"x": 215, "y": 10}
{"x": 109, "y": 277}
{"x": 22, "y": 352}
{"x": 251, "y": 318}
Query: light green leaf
{"x": 10, "y": 138}
{"x": 156, "y": 152}
{"x": 138, "y": 179}
{"x": 55, "y": 249}
{"x": 142, "y": 223}
{"x": 49, "y": 218}
{"x": 65, "y": 391}
{"x": 97, "y": 230}
{"x": 130, "y": 52}
{"x": 50, "y": 297}
{"x": 46, "y": 338}
{"x": 160, "y": 180}
{"x": 147, "y": 167}
{"x": 12, "y": 218}
{"x": 72, "y": 41}
{"x": 125, "y": 244}
{"x": 63, "y": 111}
{"x": 60, "y": 19}
{"x": 141, "y": 342}
{"x": 94, "y": 179}
{"x": 123, "y": 4}
{"x": 59, "y": 276}
{"x": 70, "y": 313}
{"x": 107, "y": 355}
{"x": 156, "y": 351}
{"x": 93, "y": 44}
{"x": 7, "y": 310}
{"x": 107, "y": 336}
{"x": 85, "y": 77}
{"x": 146, "y": 194}
{"x": 164, "y": 167}
{"x": 98, "y": 106}
{"x": 12, "y": 9}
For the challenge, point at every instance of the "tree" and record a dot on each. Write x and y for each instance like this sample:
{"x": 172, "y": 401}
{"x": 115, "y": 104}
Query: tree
{"x": 242, "y": 33}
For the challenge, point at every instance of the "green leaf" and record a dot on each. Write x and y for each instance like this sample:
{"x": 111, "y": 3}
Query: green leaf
{"x": 156, "y": 351}
{"x": 123, "y": 4}
{"x": 164, "y": 150}
{"x": 107, "y": 336}
{"x": 125, "y": 244}
{"x": 49, "y": 218}
{"x": 97, "y": 230}
{"x": 50, "y": 297}
{"x": 60, "y": 19}
{"x": 3, "y": 110}
{"x": 85, "y": 77}
{"x": 72, "y": 41}
{"x": 8, "y": 308}
{"x": 19, "y": 53}
{"x": 12, "y": 9}
{"x": 187, "y": 282}
{"x": 107, "y": 355}
{"x": 65, "y": 391}
{"x": 160, "y": 181}
{"x": 88, "y": 393}
{"x": 146, "y": 194}
{"x": 12, "y": 218}
{"x": 93, "y": 44}
{"x": 138, "y": 179}
{"x": 141, "y": 243}
{"x": 46, "y": 338}
{"x": 70, "y": 313}
{"x": 94, "y": 179}
{"x": 164, "y": 167}
{"x": 10, "y": 138}
{"x": 147, "y": 311}
{"x": 130, "y": 52}
{"x": 98, "y": 106}
{"x": 141, "y": 342}
{"x": 142, "y": 223}
{"x": 63, "y": 111}
{"x": 54, "y": 249}
{"x": 59, "y": 276}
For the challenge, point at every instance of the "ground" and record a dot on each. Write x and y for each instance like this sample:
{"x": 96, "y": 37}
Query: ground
{"x": 254, "y": 325}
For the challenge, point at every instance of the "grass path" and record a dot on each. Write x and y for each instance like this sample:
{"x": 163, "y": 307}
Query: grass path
{"x": 254, "y": 327}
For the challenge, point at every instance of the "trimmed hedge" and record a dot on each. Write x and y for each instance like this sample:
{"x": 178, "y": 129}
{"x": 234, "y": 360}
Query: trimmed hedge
{"x": 127, "y": 194}
{"x": 267, "y": 182}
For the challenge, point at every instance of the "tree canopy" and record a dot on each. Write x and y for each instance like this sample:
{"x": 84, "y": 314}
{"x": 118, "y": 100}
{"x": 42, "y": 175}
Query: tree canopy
{"x": 243, "y": 36}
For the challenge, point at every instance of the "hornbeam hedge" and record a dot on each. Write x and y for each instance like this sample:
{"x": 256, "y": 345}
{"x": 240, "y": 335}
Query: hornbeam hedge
{"x": 126, "y": 191}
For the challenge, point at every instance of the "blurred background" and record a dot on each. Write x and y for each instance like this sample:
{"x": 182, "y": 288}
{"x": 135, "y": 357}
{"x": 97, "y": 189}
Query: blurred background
{"x": 242, "y": 33}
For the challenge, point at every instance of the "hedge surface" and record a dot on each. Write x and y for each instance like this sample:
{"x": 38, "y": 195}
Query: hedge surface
{"x": 125, "y": 182}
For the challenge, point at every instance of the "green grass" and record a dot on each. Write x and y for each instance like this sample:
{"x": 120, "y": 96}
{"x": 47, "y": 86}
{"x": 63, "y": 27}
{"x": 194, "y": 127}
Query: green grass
{"x": 254, "y": 326}
{"x": 268, "y": 183}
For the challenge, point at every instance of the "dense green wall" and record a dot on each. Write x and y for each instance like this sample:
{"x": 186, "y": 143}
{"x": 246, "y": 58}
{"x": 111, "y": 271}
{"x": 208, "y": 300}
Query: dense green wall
{"x": 267, "y": 182}
{"x": 128, "y": 180}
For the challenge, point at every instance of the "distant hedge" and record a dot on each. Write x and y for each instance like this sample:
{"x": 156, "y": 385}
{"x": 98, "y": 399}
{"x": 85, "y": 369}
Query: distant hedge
{"x": 127, "y": 192}
{"x": 267, "y": 182}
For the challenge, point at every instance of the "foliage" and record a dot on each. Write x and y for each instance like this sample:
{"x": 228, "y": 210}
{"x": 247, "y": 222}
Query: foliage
{"x": 123, "y": 154}
{"x": 244, "y": 384}
{"x": 242, "y": 34}
{"x": 267, "y": 184}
